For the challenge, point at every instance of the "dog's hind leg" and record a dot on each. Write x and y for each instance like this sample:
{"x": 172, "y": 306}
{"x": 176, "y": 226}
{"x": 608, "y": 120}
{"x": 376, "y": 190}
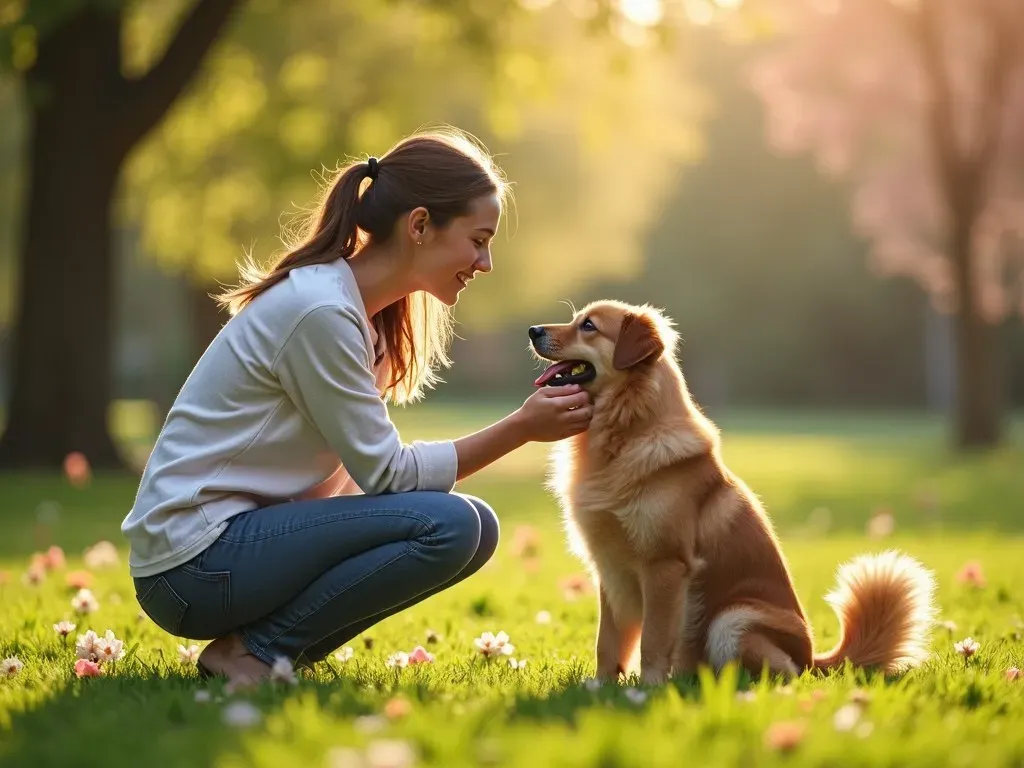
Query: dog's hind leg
{"x": 756, "y": 650}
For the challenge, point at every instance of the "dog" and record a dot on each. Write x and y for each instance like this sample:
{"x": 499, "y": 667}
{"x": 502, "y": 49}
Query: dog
{"x": 683, "y": 556}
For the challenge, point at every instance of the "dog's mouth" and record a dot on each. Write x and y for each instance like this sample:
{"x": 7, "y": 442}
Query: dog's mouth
{"x": 566, "y": 372}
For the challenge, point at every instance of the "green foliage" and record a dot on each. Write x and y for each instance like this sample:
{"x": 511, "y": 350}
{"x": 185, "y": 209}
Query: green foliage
{"x": 467, "y": 712}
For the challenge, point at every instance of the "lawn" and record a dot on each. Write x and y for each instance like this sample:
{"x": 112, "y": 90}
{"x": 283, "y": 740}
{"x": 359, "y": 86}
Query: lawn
{"x": 822, "y": 479}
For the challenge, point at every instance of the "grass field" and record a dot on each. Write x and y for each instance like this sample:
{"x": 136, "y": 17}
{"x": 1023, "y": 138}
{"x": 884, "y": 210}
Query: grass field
{"x": 821, "y": 478}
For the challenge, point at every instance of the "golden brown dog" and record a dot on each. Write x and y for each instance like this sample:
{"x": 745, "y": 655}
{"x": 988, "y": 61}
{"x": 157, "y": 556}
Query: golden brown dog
{"x": 683, "y": 556}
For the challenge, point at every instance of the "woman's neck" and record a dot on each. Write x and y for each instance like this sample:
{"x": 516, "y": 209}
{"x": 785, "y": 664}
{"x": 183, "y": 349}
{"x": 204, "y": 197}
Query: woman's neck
{"x": 382, "y": 275}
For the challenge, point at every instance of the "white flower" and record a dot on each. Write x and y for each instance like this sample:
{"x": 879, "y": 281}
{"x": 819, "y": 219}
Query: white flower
{"x": 967, "y": 647}
{"x": 494, "y": 645}
{"x": 188, "y": 655}
{"x": 108, "y": 647}
{"x": 84, "y": 601}
{"x": 543, "y": 617}
{"x": 390, "y": 753}
{"x": 345, "y": 654}
{"x": 11, "y": 666}
{"x": 592, "y": 684}
{"x": 283, "y": 671}
{"x": 241, "y": 714}
{"x": 370, "y": 723}
{"x": 203, "y": 697}
{"x": 85, "y": 647}
{"x": 516, "y": 664}
{"x": 846, "y": 717}
{"x": 399, "y": 660}
{"x": 63, "y": 628}
{"x": 100, "y": 555}
{"x": 635, "y": 696}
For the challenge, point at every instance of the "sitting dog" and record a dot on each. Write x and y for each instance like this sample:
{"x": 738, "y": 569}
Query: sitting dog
{"x": 683, "y": 556}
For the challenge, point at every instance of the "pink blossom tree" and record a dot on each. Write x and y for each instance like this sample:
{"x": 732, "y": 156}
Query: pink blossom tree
{"x": 919, "y": 106}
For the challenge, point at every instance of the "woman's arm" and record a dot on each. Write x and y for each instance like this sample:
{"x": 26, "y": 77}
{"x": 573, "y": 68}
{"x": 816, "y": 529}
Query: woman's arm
{"x": 550, "y": 413}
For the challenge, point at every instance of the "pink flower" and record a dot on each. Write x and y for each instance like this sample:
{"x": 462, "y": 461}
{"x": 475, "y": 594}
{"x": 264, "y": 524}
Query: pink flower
{"x": 76, "y": 469}
{"x": 1013, "y": 674}
{"x": 420, "y": 655}
{"x": 55, "y": 558}
{"x": 967, "y": 647}
{"x": 86, "y": 668}
{"x": 188, "y": 655}
{"x": 971, "y": 574}
{"x": 79, "y": 579}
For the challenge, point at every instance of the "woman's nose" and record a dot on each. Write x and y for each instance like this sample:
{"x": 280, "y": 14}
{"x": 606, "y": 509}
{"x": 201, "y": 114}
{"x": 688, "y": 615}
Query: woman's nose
{"x": 483, "y": 264}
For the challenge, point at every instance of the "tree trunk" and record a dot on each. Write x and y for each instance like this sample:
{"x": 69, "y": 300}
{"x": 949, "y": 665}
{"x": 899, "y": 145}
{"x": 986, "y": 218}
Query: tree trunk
{"x": 84, "y": 119}
{"x": 62, "y": 345}
{"x": 979, "y": 384}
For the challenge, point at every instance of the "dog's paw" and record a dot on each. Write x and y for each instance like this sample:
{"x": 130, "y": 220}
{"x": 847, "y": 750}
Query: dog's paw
{"x": 654, "y": 676}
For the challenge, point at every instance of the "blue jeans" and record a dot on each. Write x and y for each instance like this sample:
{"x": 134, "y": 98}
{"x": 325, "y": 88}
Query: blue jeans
{"x": 300, "y": 579}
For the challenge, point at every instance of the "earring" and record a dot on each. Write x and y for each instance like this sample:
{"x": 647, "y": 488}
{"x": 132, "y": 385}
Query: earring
{"x": 419, "y": 242}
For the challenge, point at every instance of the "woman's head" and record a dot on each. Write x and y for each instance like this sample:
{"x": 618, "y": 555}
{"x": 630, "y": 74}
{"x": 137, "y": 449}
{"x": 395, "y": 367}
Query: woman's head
{"x": 435, "y": 199}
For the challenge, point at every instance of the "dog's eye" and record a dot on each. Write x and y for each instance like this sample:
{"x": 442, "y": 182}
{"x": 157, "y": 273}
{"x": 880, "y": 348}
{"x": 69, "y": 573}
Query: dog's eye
{"x": 588, "y": 325}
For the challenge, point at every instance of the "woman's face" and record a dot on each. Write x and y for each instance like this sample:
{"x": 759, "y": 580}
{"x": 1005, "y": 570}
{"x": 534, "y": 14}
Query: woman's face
{"x": 449, "y": 257}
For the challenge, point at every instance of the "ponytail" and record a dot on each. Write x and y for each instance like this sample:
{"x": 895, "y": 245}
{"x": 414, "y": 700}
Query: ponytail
{"x": 441, "y": 171}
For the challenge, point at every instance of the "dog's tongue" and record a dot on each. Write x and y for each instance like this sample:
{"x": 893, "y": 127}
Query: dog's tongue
{"x": 552, "y": 371}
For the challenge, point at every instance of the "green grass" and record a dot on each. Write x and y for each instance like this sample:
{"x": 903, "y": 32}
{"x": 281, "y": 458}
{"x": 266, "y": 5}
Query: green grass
{"x": 466, "y": 712}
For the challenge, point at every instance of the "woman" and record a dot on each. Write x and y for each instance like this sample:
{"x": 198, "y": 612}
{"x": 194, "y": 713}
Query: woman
{"x": 249, "y": 527}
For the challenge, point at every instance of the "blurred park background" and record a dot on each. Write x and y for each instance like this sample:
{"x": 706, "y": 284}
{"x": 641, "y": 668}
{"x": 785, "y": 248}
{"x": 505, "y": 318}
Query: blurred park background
{"x": 827, "y": 196}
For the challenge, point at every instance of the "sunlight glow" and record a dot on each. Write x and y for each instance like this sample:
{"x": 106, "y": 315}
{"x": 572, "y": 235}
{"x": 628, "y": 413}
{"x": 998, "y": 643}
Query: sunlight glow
{"x": 644, "y": 13}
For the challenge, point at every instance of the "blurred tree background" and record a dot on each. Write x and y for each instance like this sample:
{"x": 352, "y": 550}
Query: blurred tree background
{"x": 643, "y": 148}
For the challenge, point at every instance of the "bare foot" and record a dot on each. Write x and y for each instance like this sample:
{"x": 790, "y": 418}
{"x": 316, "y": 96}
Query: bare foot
{"x": 227, "y": 656}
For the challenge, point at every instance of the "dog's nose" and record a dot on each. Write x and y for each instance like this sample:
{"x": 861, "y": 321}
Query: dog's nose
{"x": 536, "y": 331}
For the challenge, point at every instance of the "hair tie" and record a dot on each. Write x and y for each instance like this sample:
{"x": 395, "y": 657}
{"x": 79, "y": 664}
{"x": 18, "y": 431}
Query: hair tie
{"x": 373, "y": 165}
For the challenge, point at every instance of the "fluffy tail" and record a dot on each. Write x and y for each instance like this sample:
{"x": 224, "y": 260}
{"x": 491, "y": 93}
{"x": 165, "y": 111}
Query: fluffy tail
{"x": 885, "y": 604}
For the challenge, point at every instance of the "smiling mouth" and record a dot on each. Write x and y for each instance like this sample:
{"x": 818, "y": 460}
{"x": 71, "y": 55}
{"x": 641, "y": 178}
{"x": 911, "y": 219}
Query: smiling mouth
{"x": 566, "y": 372}
{"x": 463, "y": 278}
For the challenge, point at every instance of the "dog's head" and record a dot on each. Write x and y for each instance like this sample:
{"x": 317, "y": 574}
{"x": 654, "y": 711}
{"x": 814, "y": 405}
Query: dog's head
{"x": 603, "y": 342}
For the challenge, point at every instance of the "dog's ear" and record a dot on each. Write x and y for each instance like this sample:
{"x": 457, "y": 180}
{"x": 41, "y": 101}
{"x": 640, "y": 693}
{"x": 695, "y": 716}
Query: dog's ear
{"x": 638, "y": 340}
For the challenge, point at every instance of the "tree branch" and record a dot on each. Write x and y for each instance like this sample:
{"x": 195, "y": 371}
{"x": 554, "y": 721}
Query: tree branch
{"x": 145, "y": 100}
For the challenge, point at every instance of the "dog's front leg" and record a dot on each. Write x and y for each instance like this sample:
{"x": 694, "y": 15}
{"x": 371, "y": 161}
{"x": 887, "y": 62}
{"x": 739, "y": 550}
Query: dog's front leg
{"x": 616, "y": 640}
{"x": 664, "y": 584}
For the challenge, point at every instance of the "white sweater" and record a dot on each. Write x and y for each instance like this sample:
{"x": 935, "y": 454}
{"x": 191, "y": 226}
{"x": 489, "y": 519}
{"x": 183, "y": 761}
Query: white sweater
{"x": 284, "y": 404}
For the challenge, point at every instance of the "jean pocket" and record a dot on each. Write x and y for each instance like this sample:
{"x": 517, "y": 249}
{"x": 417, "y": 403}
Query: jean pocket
{"x": 161, "y": 603}
{"x": 212, "y": 590}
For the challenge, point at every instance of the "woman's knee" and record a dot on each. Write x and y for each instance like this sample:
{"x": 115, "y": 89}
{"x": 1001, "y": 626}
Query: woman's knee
{"x": 457, "y": 527}
{"x": 490, "y": 528}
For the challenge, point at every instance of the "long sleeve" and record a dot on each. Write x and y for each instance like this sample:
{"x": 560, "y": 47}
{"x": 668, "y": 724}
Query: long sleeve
{"x": 325, "y": 368}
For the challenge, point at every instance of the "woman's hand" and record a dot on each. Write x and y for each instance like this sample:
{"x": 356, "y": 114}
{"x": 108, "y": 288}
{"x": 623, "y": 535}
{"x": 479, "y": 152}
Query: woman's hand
{"x": 554, "y": 413}
{"x": 549, "y": 414}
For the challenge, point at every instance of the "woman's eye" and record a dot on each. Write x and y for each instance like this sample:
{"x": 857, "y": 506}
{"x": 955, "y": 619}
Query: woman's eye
{"x": 480, "y": 243}
{"x": 587, "y": 325}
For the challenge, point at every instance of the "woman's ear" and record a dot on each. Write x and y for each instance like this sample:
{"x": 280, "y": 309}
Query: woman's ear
{"x": 418, "y": 221}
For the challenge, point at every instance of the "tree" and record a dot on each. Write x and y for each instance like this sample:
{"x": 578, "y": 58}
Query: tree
{"x": 919, "y": 104}
{"x": 96, "y": 84}
{"x": 85, "y": 116}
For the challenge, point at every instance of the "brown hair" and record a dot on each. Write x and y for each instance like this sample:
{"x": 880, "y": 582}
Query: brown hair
{"x": 442, "y": 171}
